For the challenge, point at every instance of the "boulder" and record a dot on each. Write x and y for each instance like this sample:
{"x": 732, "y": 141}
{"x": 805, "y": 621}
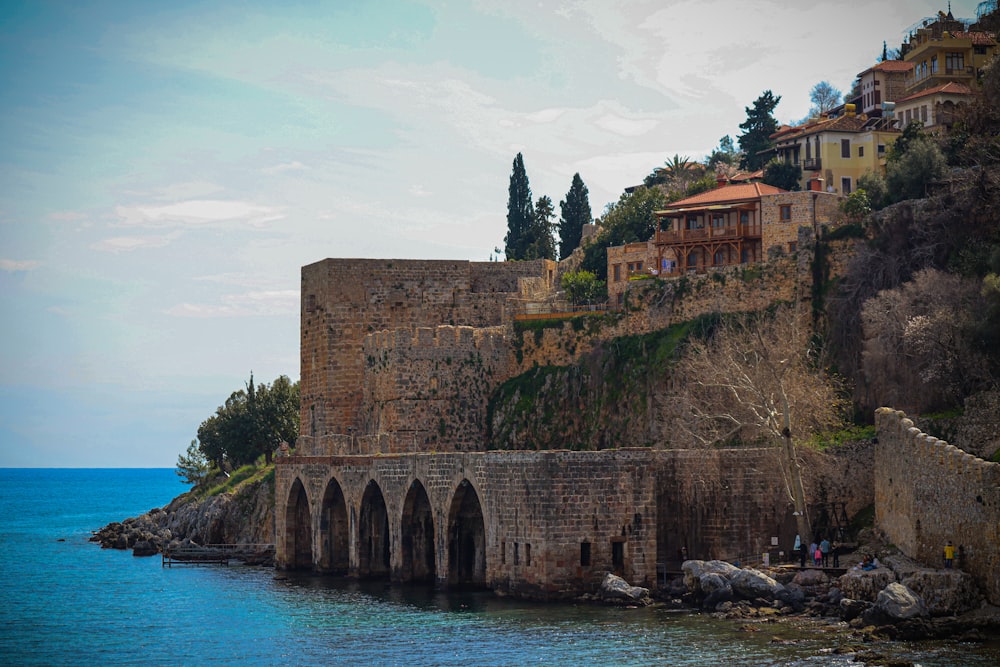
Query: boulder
{"x": 852, "y": 609}
{"x": 693, "y": 569}
{"x": 945, "y": 592}
{"x": 617, "y": 590}
{"x": 808, "y": 578}
{"x": 899, "y": 603}
{"x": 792, "y": 595}
{"x": 752, "y": 584}
{"x": 716, "y": 589}
{"x": 865, "y": 584}
{"x": 144, "y": 548}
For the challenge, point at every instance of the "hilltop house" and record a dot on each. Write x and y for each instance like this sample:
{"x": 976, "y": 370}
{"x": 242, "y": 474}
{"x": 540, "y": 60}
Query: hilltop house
{"x": 944, "y": 51}
{"x": 881, "y": 83}
{"x": 728, "y": 226}
{"x": 834, "y": 152}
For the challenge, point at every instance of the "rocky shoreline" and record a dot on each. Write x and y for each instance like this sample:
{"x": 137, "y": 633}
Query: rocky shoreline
{"x": 900, "y": 599}
{"x": 243, "y": 517}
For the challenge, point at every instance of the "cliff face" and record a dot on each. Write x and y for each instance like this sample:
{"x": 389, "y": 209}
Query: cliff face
{"x": 244, "y": 516}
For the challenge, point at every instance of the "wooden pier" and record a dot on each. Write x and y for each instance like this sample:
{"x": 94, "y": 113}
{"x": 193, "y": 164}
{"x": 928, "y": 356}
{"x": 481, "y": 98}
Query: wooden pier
{"x": 218, "y": 554}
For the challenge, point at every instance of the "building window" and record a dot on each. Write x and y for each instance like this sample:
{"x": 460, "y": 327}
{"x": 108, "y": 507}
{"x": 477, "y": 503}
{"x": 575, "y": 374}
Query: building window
{"x": 861, "y": 151}
{"x": 785, "y": 212}
{"x": 845, "y": 148}
{"x": 517, "y": 553}
{"x": 881, "y": 150}
{"x": 527, "y": 554}
{"x": 693, "y": 222}
{"x": 585, "y": 554}
{"x": 618, "y": 556}
{"x": 793, "y": 246}
{"x": 718, "y": 220}
{"x": 692, "y": 261}
{"x": 744, "y": 256}
{"x": 719, "y": 259}
{"x": 503, "y": 553}
{"x": 933, "y": 64}
{"x": 845, "y": 185}
{"x": 923, "y": 114}
{"x": 617, "y": 270}
{"x": 954, "y": 62}
{"x": 744, "y": 217}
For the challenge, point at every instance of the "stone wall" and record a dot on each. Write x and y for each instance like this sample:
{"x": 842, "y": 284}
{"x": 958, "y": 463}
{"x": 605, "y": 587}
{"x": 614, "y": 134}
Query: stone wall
{"x": 928, "y": 492}
{"x": 431, "y": 386}
{"x": 345, "y": 300}
{"x": 555, "y": 521}
{"x": 807, "y": 208}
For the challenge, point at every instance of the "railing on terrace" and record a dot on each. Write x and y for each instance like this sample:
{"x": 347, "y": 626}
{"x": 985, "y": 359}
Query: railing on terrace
{"x": 707, "y": 233}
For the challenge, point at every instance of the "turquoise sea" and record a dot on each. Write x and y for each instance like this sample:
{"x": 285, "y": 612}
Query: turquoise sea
{"x": 65, "y": 601}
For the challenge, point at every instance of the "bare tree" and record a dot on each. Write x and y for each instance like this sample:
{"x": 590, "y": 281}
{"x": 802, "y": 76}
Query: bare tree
{"x": 920, "y": 350}
{"x": 759, "y": 380}
{"x": 824, "y": 98}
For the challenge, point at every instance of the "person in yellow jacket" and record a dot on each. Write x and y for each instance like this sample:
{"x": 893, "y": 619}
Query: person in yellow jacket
{"x": 949, "y": 555}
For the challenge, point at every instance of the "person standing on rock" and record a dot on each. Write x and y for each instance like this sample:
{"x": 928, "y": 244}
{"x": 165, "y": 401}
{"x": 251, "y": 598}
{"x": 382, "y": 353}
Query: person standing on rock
{"x": 949, "y": 555}
{"x": 824, "y": 548}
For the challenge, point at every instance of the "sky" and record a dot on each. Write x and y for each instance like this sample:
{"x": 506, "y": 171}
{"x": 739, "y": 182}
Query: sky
{"x": 166, "y": 168}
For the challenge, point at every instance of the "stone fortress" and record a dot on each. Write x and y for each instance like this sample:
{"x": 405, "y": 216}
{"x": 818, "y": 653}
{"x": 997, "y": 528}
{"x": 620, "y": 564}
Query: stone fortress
{"x": 392, "y": 477}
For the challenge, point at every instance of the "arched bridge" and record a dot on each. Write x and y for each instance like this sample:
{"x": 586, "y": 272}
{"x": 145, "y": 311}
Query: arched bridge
{"x": 543, "y": 524}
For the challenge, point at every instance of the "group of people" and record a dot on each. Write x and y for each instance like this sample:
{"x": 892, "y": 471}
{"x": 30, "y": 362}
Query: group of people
{"x": 818, "y": 553}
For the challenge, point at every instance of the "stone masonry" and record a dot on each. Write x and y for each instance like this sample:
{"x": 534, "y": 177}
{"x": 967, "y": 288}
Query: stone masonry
{"x": 389, "y": 478}
{"x": 928, "y": 492}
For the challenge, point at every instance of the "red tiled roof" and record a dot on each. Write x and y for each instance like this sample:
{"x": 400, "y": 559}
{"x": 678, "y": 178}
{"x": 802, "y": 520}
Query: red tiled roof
{"x": 727, "y": 194}
{"x": 838, "y": 124}
{"x": 893, "y": 66}
{"x": 978, "y": 38}
{"x": 950, "y": 88}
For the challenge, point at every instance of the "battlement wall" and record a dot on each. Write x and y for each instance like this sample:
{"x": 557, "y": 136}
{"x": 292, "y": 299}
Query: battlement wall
{"x": 431, "y": 386}
{"x": 928, "y": 492}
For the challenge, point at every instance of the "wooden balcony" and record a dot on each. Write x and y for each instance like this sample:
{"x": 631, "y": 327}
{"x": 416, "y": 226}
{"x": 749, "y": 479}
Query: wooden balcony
{"x": 812, "y": 164}
{"x": 710, "y": 233}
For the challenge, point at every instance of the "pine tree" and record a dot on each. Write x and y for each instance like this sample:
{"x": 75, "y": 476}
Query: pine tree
{"x": 758, "y": 128}
{"x": 520, "y": 212}
{"x": 575, "y": 214}
{"x": 540, "y": 243}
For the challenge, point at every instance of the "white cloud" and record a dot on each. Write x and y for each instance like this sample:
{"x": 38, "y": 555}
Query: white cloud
{"x": 117, "y": 244}
{"x": 257, "y": 303}
{"x": 197, "y": 212}
{"x": 295, "y": 165}
{"x": 15, "y": 265}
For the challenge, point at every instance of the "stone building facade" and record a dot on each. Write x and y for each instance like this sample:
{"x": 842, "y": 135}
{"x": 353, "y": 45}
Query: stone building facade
{"x": 928, "y": 492}
{"x": 544, "y": 525}
{"x": 390, "y": 477}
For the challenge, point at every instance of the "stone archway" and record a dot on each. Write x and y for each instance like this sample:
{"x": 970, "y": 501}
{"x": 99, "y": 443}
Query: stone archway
{"x": 466, "y": 539}
{"x": 417, "y": 536}
{"x": 334, "y": 556}
{"x": 298, "y": 529}
{"x": 373, "y": 534}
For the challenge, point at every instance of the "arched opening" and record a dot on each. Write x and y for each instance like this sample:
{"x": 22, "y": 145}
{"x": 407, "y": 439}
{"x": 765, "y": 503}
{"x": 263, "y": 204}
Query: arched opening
{"x": 333, "y": 536}
{"x": 373, "y": 534}
{"x": 417, "y": 536}
{"x": 466, "y": 539}
{"x": 298, "y": 529}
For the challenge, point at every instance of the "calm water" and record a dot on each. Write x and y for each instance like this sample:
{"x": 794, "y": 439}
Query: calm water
{"x": 64, "y": 601}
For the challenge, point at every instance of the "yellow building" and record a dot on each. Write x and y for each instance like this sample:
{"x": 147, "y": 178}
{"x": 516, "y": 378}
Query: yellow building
{"x": 834, "y": 152}
{"x": 944, "y": 51}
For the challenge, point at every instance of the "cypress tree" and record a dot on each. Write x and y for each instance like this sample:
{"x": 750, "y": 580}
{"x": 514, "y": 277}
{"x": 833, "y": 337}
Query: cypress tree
{"x": 758, "y": 128}
{"x": 575, "y": 214}
{"x": 520, "y": 212}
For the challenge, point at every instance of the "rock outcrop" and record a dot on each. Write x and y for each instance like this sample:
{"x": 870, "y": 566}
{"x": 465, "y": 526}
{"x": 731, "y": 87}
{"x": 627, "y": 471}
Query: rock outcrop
{"x": 245, "y": 516}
